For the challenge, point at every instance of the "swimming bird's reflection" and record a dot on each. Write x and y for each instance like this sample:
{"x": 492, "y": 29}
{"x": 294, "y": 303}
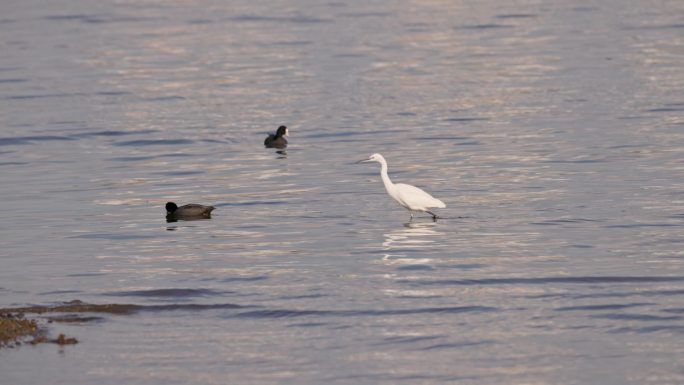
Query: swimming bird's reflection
{"x": 172, "y": 219}
{"x": 401, "y": 243}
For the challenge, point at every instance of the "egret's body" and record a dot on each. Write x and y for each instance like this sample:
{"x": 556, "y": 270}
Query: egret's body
{"x": 410, "y": 197}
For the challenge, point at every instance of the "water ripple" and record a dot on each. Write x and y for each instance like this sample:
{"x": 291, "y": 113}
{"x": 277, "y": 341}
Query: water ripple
{"x": 154, "y": 142}
{"x": 282, "y": 313}
{"x": 98, "y": 18}
{"x": 294, "y": 19}
{"x": 22, "y": 140}
{"x": 113, "y": 133}
{"x": 516, "y": 16}
{"x": 173, "y": 292}
{"x": 547, "y": 280}
{"x": 637, "y": 317}
{"x": 601, "y": 307}
{"x": 41, "y": 96}
{"x": 408, "y": 339}
{"x": 457, "y": 345}
{"x": 651, "y": 329}
{"x": 15, "y": 80}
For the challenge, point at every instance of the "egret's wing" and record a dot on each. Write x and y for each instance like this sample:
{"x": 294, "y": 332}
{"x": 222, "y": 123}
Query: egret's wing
{"x": 412, "y": 196}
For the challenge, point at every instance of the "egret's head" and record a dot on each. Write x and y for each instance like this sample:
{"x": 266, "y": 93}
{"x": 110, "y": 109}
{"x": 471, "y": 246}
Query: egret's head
{"x": 282, "y": 131}
{"x": 372, "y": 158}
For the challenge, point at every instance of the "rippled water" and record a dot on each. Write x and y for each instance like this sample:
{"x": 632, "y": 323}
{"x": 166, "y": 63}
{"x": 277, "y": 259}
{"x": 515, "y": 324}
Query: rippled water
{"x": 553, "y": 131}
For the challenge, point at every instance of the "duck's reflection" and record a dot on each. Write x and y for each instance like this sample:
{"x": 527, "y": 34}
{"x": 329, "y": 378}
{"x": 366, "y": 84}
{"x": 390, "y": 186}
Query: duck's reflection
{"x": 400, "y": 244}
{"x": 173, "y": 219}
{"x": 173, "y": 223}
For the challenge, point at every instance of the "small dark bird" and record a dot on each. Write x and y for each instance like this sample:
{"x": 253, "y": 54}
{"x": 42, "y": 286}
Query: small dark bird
{"x": 277, "y": 140}
{"x": 189, "y": 211}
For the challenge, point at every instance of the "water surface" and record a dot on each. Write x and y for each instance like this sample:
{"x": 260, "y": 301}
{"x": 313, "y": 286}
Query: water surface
{"x": 553, "y": 132}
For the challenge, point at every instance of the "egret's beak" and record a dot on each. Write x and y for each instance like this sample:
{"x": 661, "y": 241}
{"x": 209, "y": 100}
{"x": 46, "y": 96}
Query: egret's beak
{"x": 363, "y": 161}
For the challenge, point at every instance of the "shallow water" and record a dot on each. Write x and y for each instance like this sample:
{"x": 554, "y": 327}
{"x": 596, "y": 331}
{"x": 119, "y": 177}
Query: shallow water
{"x": 553, "y": 132}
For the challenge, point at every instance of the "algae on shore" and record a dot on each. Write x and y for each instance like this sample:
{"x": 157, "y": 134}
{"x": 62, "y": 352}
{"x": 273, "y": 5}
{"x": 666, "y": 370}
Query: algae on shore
{"x": 75, "y": 307}
{"x": 13, "y": 328}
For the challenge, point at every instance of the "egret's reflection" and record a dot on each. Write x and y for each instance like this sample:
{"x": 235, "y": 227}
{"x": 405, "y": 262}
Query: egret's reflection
{"x": 399, "y": 244}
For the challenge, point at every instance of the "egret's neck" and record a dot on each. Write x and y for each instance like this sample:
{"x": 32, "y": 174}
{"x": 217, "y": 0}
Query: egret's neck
{"x": 389, "y": 186}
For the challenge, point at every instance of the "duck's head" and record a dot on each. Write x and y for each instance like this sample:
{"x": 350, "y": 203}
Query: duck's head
{"x": 282, "y": 131}
{"x": 171, "y": 207}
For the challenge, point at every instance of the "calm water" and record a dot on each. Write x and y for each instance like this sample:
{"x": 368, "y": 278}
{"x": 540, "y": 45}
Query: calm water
{"x": 553, "y": 131}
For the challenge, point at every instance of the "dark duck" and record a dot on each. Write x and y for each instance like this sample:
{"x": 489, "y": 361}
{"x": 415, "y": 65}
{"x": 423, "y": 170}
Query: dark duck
{"x": 277, "y": 140}
{"x": 189, "y": 211}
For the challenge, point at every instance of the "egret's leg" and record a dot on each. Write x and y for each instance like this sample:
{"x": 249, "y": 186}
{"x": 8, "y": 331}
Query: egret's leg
{"x": 434, "y": 216}
{"x": 411, "y": 213}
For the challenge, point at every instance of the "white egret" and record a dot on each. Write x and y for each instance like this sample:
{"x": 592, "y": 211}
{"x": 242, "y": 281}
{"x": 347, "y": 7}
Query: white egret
{"x": 189, "y": 211}
{"x": 410, "y": 197}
